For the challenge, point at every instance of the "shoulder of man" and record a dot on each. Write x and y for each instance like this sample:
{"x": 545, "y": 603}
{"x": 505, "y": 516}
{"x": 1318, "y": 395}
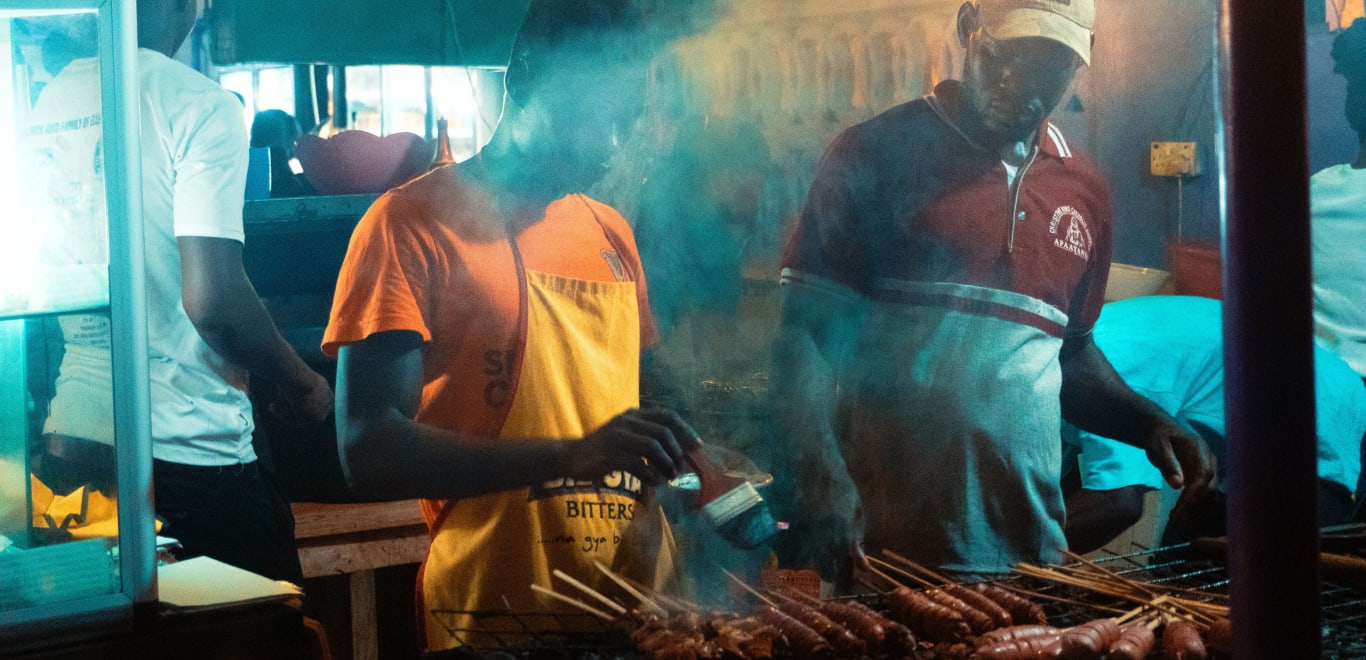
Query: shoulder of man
{"x": 1054, "y": 140}
{"x": 900, "y": 125}
{"x": 179, "y": 95}
{"x": 437, "y": 197}
{"x": 612, "y": 221}
{"x": 158, "y": 68}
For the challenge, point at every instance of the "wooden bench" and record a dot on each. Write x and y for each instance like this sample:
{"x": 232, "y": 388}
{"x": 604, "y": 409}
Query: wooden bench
{"x": 354, "y": 540}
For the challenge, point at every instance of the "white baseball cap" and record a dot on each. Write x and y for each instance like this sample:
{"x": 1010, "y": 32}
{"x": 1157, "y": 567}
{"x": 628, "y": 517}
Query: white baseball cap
{"x": 1067, "y": 22}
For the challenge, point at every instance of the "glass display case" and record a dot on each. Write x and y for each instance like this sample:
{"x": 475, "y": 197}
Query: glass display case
{"x": 76, "y": 527}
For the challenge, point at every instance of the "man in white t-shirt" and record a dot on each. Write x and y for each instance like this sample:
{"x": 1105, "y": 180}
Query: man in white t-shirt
{"x": 207, "y": 328}
{"x": 1338, "y": 210}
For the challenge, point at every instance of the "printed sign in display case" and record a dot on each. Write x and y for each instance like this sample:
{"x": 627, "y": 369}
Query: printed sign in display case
{"x": 76, "y": 527}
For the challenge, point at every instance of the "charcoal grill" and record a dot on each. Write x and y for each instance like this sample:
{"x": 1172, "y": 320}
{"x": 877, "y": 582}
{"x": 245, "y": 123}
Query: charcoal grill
{"x": 511, "y": 635}
{"x": 506, "y": 635}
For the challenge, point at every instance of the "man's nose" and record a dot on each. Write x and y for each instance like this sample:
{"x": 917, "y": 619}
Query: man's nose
{"x": 1011, "y": 78}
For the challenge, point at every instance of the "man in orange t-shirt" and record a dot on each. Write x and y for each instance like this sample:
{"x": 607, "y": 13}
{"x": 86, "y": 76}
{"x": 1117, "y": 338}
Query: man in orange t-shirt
{"x": 488, "y": 322}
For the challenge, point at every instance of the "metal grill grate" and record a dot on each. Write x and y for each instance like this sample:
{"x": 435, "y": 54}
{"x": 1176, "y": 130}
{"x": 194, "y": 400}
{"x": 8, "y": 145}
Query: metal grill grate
{"x": 1342, "y": 617}
{"x": 528, "y": 635}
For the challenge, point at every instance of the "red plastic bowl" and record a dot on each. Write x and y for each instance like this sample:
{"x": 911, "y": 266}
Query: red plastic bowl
{"x": 357, "y": 162}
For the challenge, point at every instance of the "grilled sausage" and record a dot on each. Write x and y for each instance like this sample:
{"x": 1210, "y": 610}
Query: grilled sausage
{"x": 900, "y": 642}
{"x": 1135, "y": 643}
{"x": 1023, "y": 648}
{"x": 804, "y": 642}
{"x": 1015, "y": 632}
{"x": 858, "y": 619}
{"x": 1088, "y": 640}
{"x": 1220, "y": 636}
{"x": 1022, "y": 610}
{"x": 1181, "y": 641}
{"x": 745, "y": 637}
{"x": 897, "y": 640}
{"x": 843, "y": 641}
{"x": 1000, "y": 617}
{"x": 977, "y": 620}
{"x": 925, "y": 617}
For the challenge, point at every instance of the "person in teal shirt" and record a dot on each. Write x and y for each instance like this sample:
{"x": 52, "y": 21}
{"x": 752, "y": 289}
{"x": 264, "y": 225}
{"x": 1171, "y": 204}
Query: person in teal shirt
{"x": 1170, "y": 350}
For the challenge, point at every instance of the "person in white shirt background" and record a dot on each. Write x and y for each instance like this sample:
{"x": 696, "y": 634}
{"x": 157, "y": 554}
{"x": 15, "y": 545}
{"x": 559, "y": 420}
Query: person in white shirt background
{"x": 208, "y": 330}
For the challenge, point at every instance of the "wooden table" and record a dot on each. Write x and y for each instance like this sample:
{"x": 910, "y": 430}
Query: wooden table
{"x": 259, "y": 631}
{"x": 354, "y": 540}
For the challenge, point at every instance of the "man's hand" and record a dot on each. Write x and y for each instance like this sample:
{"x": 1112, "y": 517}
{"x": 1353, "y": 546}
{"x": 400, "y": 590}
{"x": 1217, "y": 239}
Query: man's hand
{"x": 1185, "y": 462}
{"x": 309, "y": 403}
{"x": 646, "y": 443}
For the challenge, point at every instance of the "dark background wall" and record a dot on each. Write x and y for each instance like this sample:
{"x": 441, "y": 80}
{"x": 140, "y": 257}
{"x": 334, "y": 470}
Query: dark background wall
{"x": 794, "y": 72}
{"x": 1152, "y": 78}
{"x": 430, "y": 32}
{"x": 798, "y": 71}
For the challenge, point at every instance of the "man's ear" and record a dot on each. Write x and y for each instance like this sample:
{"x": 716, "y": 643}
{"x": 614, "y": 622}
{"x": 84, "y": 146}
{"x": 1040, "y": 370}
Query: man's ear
{"x": 969, "y": 20}
{"x": 517, "y": 80}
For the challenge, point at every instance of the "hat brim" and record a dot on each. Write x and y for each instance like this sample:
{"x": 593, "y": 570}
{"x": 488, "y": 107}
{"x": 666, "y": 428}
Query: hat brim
{"x": 1020, "y": 23}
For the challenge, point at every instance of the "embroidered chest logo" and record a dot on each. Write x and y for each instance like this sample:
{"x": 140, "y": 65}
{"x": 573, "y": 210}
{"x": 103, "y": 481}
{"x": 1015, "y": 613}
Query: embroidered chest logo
{"x": 1070, "y": 232}
{"x": 614, "y": 262}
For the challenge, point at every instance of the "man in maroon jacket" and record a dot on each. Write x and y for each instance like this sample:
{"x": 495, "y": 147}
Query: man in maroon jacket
{"x": 939, "y": 293}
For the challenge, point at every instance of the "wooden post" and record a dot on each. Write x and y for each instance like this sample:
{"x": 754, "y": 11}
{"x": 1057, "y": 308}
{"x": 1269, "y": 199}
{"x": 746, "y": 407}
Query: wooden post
{"x": 1268, "y": 350}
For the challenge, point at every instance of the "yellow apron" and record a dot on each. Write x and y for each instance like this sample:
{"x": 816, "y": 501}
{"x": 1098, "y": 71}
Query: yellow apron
{"x": 580, "y": 369}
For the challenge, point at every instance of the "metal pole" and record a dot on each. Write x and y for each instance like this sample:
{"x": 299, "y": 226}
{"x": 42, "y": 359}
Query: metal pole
{"x": 1268, "y": 353}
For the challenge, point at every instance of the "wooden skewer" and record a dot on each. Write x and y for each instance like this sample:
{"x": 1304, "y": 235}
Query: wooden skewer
{"x": 1135, "y": 584}
{"x": 667, "y": 602}
{"x": 573, "y": 601}
{"x": 1071, "y": 580}
{"x": 1175, "y": 607}
{"x": 901, "y": 571}
{"x": 943, "y": 579}
{"x": 1144, "y": 589}
{"x": 1195, "y": 594}
{"x": 895, "y": 583}
{"x": 674, "y": 603}
{"x": 767, "y": 601}
{"x": 1191, "y": 608}
{"x": 1025, "y": 593}
{"x": 1130, "y": 614}
{"x": 1141, "y": 587}
{"x": 629, "y": 588}
{"x": 864, "y": 581}
{"x": 615, "y": 606}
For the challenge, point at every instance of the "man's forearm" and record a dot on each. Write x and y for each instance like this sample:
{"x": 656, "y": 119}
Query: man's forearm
{"x": 1095, "y": 398}
{"x": 224, "y": 308}
{"x": 394, "y": 457}
{"x": 242, "y": 331}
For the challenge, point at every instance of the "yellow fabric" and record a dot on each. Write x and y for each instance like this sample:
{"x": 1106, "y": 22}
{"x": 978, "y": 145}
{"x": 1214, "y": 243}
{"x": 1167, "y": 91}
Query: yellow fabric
{"x": 1341, "y": 13}
{"x": 42, "y": 499}
{"x": 83, "y": 513}
{"x": 581, "y": 368}
{"x": 1353, "y": 10}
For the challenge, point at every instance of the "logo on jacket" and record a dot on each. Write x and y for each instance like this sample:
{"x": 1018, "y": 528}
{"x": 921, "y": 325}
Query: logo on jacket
{"x": 614, "y": 262}
{"x": 1075, "y": 235}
